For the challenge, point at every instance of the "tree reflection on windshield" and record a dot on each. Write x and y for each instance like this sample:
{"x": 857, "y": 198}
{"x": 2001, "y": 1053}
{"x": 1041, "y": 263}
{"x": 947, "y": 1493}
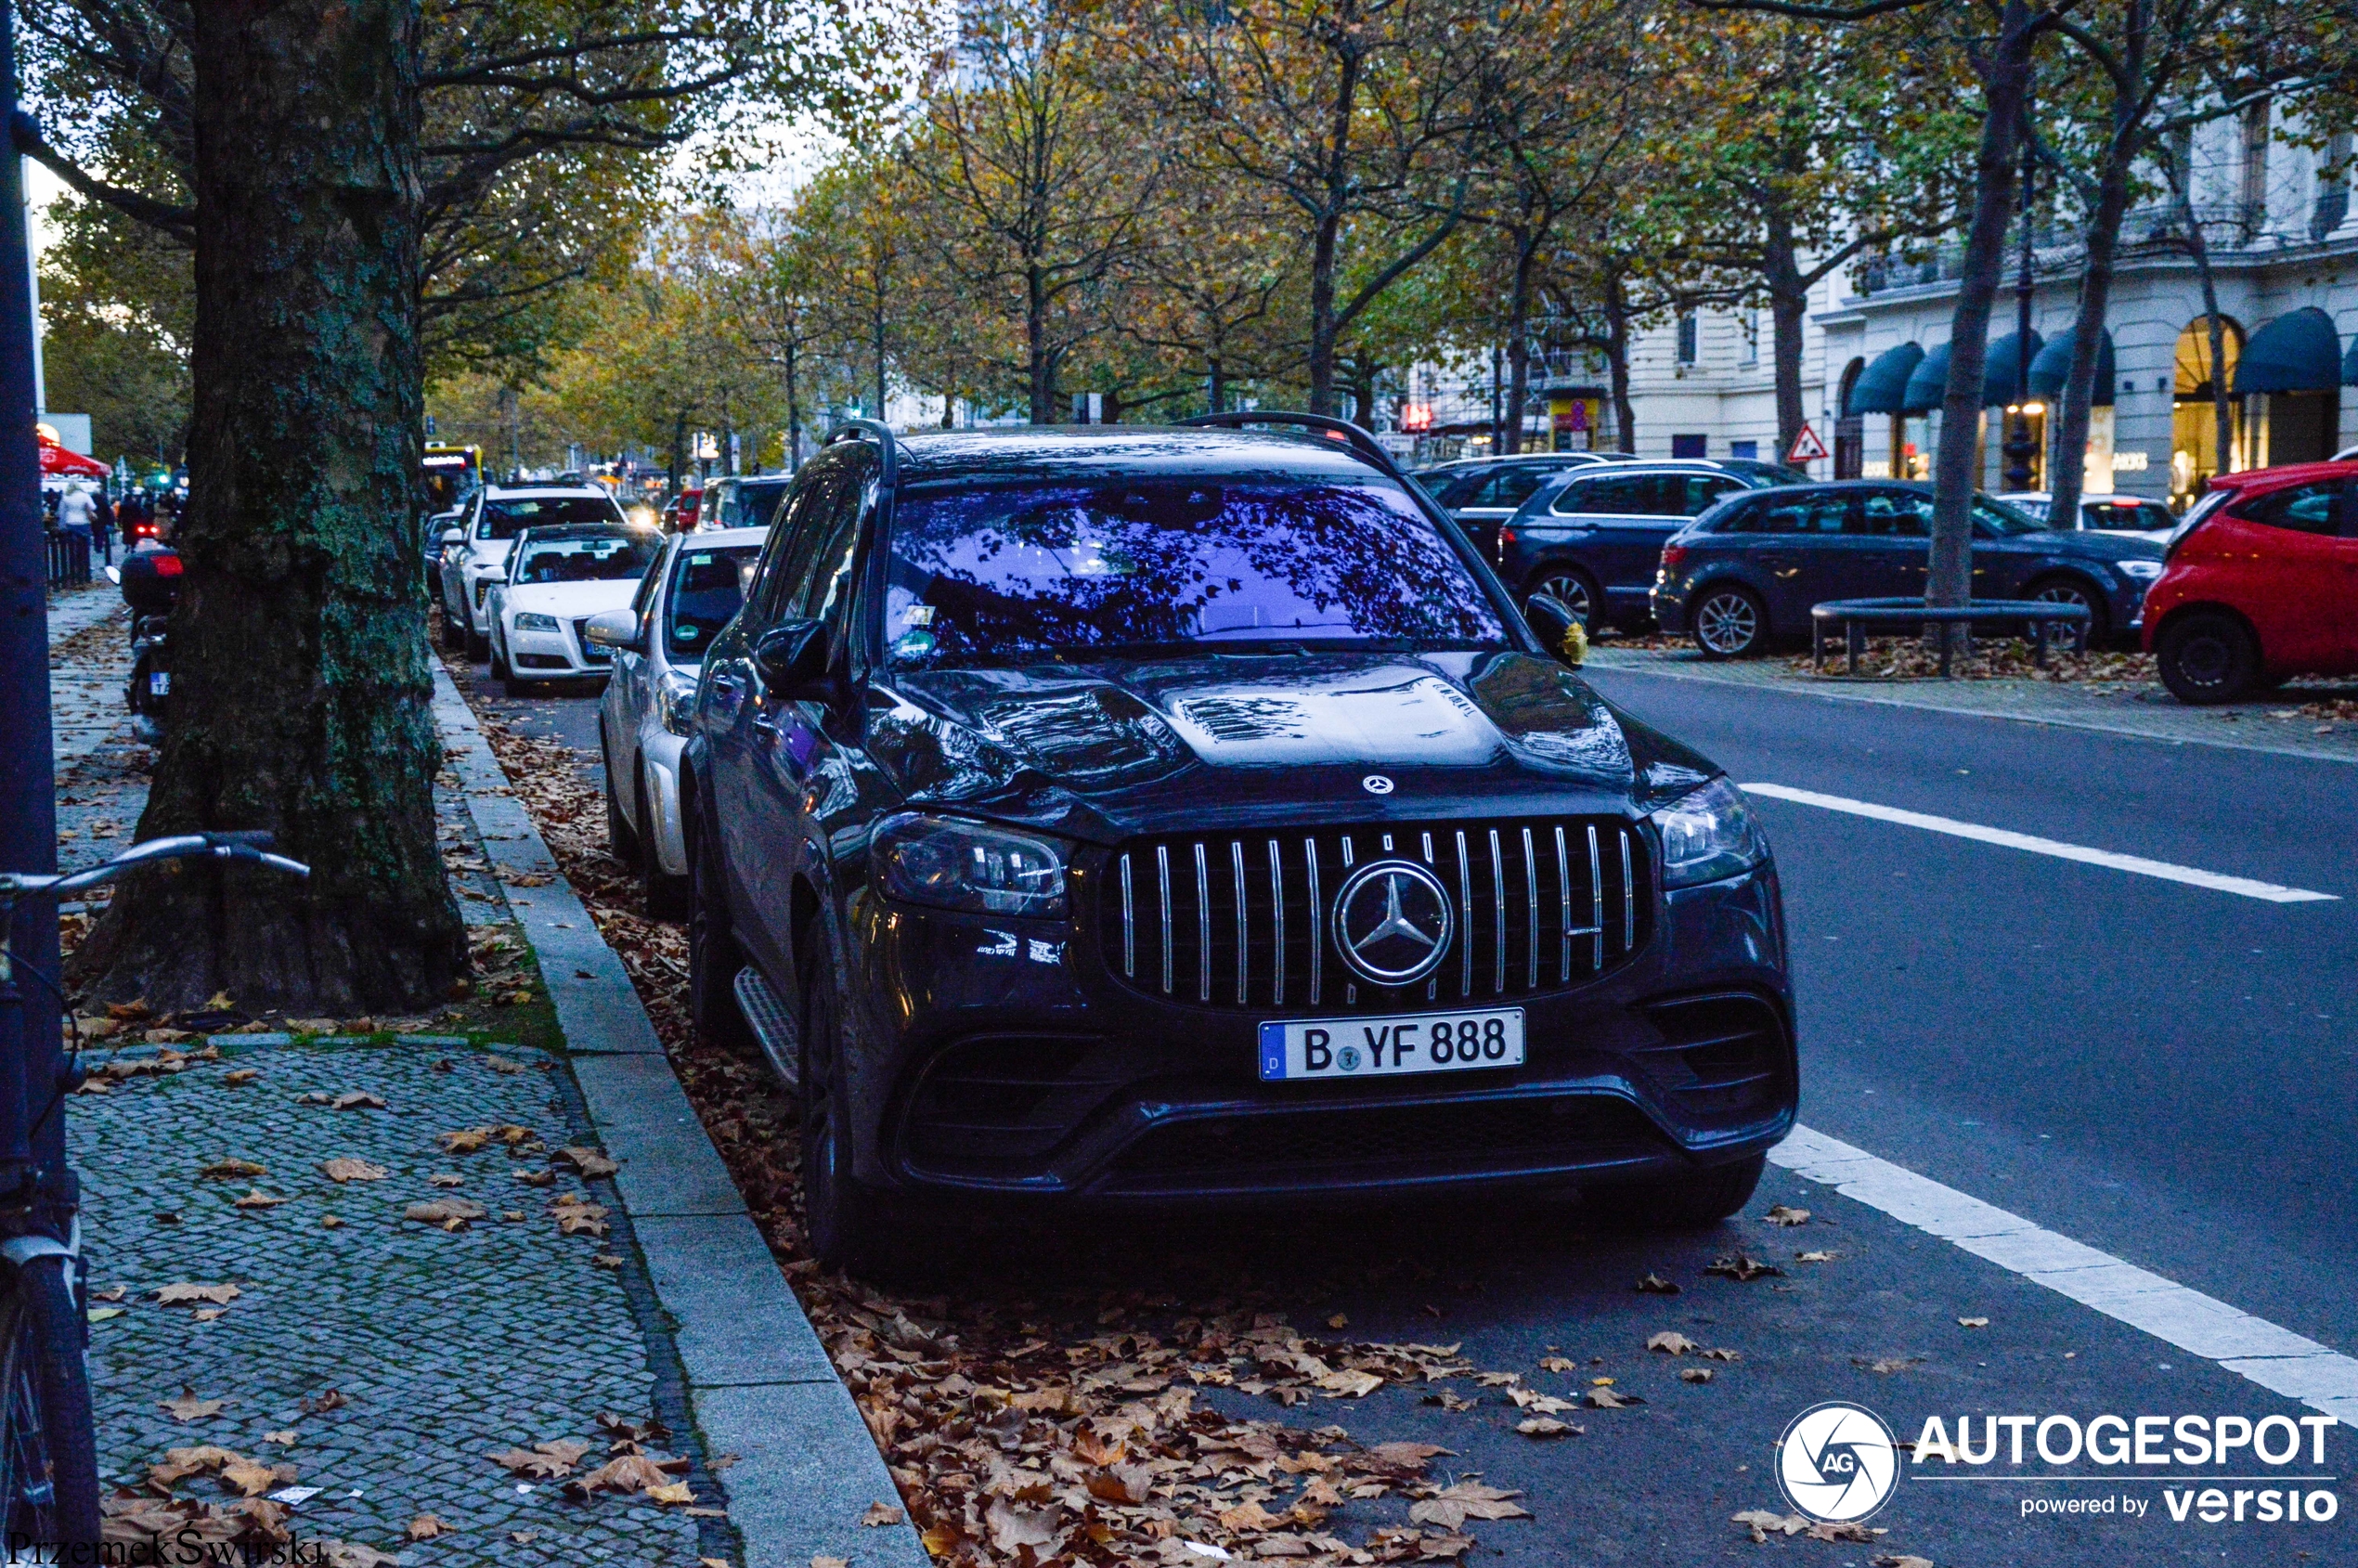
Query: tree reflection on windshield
{"x": 984, "y": 573}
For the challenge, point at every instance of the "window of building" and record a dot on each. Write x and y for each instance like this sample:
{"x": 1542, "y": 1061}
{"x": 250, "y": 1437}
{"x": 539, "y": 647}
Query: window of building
{"x": 1688, "y": 446}
{"x": 1752, "y": 336}
{"x": 1744, "y": 448}
{"x": 1690, "y": 337}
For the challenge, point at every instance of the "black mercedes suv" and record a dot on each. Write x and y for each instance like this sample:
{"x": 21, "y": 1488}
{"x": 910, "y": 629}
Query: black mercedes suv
{"x": 1127, "y": 815}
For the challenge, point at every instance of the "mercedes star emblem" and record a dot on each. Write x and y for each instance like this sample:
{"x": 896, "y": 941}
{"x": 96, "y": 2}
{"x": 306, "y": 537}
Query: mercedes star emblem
{"x": 1375, "y": 783}
{"x": 1393, "y": 922}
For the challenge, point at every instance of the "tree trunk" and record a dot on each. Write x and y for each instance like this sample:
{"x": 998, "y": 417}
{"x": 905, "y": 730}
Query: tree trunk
{"x": 1625, "y": 412}
{"x": 302, "y": 703}
{"x": 679, "y": 449}
{"x": 1336, "y": 197}
{"x": 1788, "y": 309}
{"x": 793, "y": 415}
{"x": 1040, "y": 371}
{"x": 1322, "y": 317}
{"x": 1219, "y": 380}
{"x": 1519, "y": 337}
{"x": 2067, "y": 467}
{"x": 2005, "y": 76}
{"x": 877, "y": 328}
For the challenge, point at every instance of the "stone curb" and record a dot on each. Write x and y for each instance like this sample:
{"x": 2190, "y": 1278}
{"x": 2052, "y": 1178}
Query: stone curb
{"x": 759, "y": 1380}
{"x": 1614, "y": 661}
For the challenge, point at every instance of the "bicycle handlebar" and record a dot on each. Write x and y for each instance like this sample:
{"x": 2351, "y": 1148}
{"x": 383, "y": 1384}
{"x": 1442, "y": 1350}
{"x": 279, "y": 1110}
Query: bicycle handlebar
{"x": 250, "y": 846}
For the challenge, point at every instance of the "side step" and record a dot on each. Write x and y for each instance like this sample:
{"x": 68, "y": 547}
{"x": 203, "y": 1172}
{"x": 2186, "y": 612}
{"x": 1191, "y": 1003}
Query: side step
{"x": 773, "y": 1026}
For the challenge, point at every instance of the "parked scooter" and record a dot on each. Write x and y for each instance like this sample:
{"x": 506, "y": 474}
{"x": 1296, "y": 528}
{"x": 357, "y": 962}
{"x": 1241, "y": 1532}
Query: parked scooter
{"x": 150, "y": 584}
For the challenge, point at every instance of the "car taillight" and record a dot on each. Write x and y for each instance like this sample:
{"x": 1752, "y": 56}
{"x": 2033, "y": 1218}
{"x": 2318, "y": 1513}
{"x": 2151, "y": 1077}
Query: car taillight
{"x": 168, "y": 567}
{"x": 1673, "y": 557}
{"x": 1505, "y": 536}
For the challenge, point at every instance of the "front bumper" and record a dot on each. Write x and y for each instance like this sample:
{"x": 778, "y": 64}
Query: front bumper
{"x": 552, "y": 656}
{"x": 999, "y": 1057}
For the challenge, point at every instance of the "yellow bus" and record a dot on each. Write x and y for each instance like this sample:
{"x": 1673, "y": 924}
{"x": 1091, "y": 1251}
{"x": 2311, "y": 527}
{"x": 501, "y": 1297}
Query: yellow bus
{"x": 450, "y": 473}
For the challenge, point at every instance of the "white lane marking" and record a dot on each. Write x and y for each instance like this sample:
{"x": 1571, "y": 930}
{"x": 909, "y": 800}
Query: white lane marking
{"x": 2271, "y": 891}
{"x": 2277, "y": 1359}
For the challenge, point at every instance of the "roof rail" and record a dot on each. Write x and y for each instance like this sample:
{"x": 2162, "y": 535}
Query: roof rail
{"x": 1361, "y": 441}
{"x": 881, "y": 434}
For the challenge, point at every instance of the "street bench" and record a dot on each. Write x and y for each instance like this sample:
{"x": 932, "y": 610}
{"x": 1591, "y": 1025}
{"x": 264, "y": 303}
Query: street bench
{"x": 1855, "y": 616}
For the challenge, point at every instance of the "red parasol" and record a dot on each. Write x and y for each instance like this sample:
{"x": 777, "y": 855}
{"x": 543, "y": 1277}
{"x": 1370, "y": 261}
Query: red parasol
{"x": 57, "y": 460}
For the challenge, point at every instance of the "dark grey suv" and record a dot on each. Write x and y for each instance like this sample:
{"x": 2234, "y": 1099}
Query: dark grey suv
{"x": 1591, "y": 537}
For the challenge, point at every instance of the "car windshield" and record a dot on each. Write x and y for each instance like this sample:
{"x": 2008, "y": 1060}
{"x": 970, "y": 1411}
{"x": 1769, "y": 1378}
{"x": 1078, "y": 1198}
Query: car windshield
{"x": 708, "y": 587}
{"x": 2151, "y": 517}
{"x": 505, "y": 519}
{"x": 1998, "y": 518}
{"x": 981, "y": 573}
{"x": 597, "y": 558}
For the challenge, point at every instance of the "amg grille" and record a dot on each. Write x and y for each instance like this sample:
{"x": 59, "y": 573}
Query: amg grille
{"x": 1495, "y": 1133}
{"x": 1247, "y": 920}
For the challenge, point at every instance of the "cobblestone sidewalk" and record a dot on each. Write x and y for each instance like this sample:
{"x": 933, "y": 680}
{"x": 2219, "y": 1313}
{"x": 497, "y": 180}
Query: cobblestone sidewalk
{"x": 2276, "y": 722}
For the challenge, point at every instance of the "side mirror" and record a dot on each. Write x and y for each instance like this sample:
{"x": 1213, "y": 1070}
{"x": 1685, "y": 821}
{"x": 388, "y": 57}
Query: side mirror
{"x": 452, "y": 535}
{"x": 793, "y": 660}
{"x": 114, "y": 576}
{"x": 615, "y": 628}
{"x": 1557, "y": 627}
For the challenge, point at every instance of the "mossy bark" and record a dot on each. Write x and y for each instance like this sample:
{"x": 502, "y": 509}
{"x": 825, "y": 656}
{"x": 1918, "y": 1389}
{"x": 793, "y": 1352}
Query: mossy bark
{"x": 301, "y": 696}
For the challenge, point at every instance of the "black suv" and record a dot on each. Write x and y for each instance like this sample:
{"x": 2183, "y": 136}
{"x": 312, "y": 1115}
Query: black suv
{"x": 1138, "y": 815}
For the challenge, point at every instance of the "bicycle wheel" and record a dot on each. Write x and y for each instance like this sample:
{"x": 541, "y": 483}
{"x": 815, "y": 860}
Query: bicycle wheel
{"x": 48, "y": 1450}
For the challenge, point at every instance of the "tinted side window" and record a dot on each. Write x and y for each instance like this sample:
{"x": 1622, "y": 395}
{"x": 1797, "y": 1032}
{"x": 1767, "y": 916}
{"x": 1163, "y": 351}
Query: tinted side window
{"x": 1459, "y": 488}
{"x": 792, "y": 537}
{"x": 1893, "y": 513}
{"x": 1620, "y": 495}
{"x": 1696, "y": 492}
{"x": 2307, "y": 509}
{"x": 826, "y": 593}
{"x": 648, "y": 584}
{"x": 1512, "y": 487}
{"x": 1820, "y": 514}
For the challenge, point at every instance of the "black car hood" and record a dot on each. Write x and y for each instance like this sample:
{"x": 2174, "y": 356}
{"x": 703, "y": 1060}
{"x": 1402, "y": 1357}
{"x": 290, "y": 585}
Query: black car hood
{"x": 1102, "y": 751}
{"x": 2091, "y": 546}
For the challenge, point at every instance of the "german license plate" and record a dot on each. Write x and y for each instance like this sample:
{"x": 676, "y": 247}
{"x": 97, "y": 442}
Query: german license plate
{"x": 160, "y": 683}
{"x": 1391, "y": 1047}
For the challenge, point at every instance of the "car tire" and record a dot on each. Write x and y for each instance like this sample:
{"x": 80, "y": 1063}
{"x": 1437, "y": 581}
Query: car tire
{"x": 1729, "y": 622}
{"x": 713, "y": 955}
{"x": 2071, "y": 591}
{"x": 844, "y": 1225}
{"x": 478, "y": 643}
{"x": 1691, "y": 1201}
{"x": 454, "y": 630}
{"x": 2207, "y": 658}
{"x": 668, "y": 897}
{"x": 1576, "y": 590}
{"x": 499, "y": 669}
{"x": 622, "y": 837}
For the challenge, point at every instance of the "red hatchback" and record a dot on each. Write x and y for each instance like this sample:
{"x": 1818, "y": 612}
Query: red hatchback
{"x": 2261, "y": 584}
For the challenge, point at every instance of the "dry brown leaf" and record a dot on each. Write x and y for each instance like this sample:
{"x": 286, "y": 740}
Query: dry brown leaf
{"x": 1761, "y": 1523}
{"x": 1013, "y": 1527}
{"x": 1547, "y": 1426}
{"x": 1655, "y": 1285}
{"x": 1972, "y": 1323}
{"x": 258, "y": 1200}
{"x": 1885, "y": 1366}
{"x": 356, "y": 1099}
{"x": 543, "y": 1460}
{"x": 1558, "y": 1364}
{"x": 1671, "y": 1343}
{"x": 450, "y": 1213}
{"x": 1815, "y": 1257}
{"x": 1606, "y": 1399}
{"x": 284, "y": 1438}
{"x": 330, "y": 1222}
{"x": 184, "y": 1293}
{"x": 250, "y": 1480}
{"x": 1446, "y": 1400}
{"x": 1350, "y": 1385}
{"x": 1890, "y": 1560}
{"x": 1468, "y": 1499}
{"x": 206, "y": 1313}
{"x": 189, "y": 1408}
{"x": 1845, "y": 1530}
{"x": 445, "y": 1179}
{"x": 1783, "y": 1214}
{"x": 222, "y": 1170}
{"x": 111, "y": 1293}
{"x": 588, "y": 1163}
{"x": 1721, "y": 1356}
{"x": 241, "y": 1078}
{"x": 671, "y": 1493}
{"x": 320, "y": 1404}
{"x": 425, "y": 1527}
{"x": 625, "y": 1473}
{"x": 464, "y": 1141}
{"x": 342, "y": 1170}
{"x": 1545, "y": 1404}
{"x": 815, "y": 1563}
{"x": 883, "y": 1514}
{"x": 1743, "y": 1267}
{"x": 1694, "y": 1374}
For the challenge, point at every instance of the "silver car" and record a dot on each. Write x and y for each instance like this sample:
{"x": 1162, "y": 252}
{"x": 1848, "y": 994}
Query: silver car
{"x": 691, "y": 591}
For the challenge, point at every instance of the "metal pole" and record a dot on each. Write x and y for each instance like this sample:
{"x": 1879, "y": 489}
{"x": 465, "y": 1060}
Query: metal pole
{"x": 2020, "y": 448}
{"x": 30, "y": 1019}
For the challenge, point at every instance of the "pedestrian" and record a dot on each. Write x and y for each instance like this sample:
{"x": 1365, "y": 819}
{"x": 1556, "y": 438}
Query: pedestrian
{"x": 74, "y": 513}
{"x": 103, "y": 526}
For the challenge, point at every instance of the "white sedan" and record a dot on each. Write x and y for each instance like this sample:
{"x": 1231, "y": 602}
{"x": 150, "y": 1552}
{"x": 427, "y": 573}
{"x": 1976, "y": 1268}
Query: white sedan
{"x": 476, "y": 564}
{"x": 556, "y": 578}
{"x": 658, "y": 646}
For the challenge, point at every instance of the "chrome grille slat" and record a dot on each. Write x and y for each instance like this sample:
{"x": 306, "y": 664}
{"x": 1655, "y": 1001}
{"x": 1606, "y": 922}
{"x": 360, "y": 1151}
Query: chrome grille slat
{"x": 1203, "y": 927}
{"x": 1269, "y": 964}
{"x": 1129, "y": 925}
{"x": 1244, "y": 937}
{"x": 1277, "y": 913}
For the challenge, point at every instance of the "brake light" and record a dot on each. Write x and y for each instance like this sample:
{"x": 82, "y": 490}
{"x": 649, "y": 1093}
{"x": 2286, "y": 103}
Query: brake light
{"x": 1673, "y": 557}
{"x": 168, "y": 567}
{"x": 1505, "y": 536}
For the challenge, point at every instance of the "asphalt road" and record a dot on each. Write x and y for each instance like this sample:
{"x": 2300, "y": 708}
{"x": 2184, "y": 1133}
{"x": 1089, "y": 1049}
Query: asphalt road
{"x": 2159, "y": 1070}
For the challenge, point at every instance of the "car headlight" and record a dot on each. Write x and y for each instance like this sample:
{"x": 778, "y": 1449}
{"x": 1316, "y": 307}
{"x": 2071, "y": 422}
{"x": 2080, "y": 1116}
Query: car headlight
{"x": 675, "y": 698}
{"x": 1708, "y": 835}
{"x": 966, "y": 865}
{"x": 532, "y": 621}
{"x": 2138, "y": 571}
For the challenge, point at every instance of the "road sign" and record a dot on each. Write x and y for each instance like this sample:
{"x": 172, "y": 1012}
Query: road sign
{"x": 1807, "y": 447}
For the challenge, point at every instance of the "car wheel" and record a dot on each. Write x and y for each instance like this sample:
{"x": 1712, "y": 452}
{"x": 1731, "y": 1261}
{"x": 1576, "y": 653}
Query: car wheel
{"x": 454, "y": 629}
{"x": 1683, "y": 1202}
{"x": 667, "y": 896}
{"x": 1577, "y": 593}
{"x": 1729, "y": 622}
{"x": 2064, "y": 590}
{"x": 622, "y": 841}
{"x": 713, "y": 956}
{"x": 2207, "y": 658}
{"x": 478, "y": 643}
{"x": 500, "y": 670}
{"x": 843, "y": 1221}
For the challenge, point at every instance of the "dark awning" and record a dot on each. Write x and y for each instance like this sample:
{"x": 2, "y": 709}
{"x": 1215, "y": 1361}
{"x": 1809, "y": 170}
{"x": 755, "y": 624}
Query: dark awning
{"x": 1999, "y": 377}
{"x": 2054, "y": 363}
{"x": 2350, "y": 365}
{"x": 2297, "y": 352}
{"x": 1926, "y": 383}
{"x": 1881, "y": 387}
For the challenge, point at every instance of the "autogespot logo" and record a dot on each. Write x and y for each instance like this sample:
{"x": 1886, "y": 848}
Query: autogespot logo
{"x": 1837, "y": 1463}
